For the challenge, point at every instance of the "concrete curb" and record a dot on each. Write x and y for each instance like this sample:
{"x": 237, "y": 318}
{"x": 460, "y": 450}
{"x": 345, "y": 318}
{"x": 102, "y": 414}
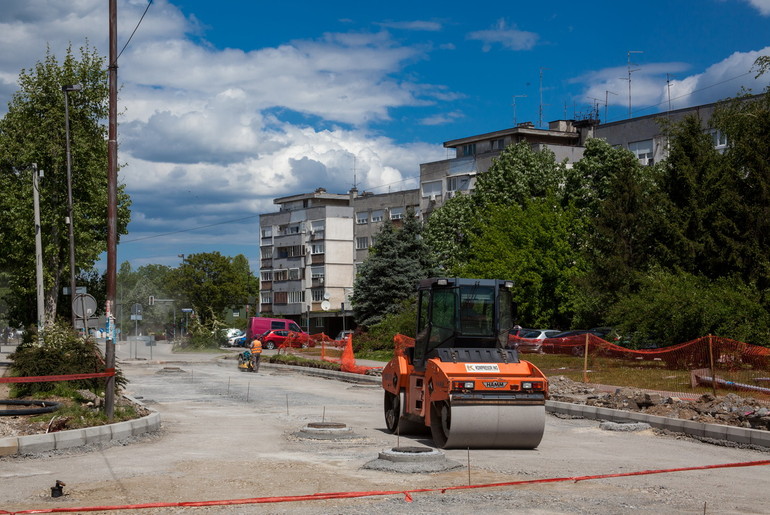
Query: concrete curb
{"x": 33, "y": 444}
{"x": 715, "y": 431}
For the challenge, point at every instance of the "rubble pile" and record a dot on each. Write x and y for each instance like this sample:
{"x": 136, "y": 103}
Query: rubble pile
{"x": 731, "y": 410}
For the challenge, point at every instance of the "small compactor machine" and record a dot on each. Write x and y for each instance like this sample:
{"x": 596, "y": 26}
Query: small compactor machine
{"x": 461, "y": 379}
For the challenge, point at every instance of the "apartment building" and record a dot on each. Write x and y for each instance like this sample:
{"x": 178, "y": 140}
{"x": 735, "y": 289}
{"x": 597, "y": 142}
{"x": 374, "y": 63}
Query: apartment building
{"x": 441, "y": 180}
{"x": 309, "y": 250}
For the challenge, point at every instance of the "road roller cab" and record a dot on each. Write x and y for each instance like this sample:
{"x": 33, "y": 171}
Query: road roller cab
{"x": 460, "y": 379}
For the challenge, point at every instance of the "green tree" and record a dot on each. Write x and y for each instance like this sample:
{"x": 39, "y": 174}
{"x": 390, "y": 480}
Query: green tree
{"x": 136, "y": 287}
{"x": 746, "y": 124}
{"x": 517, "y": 175}
{"x": 671, "y": 308}
{"x": 33, "y": 131}
{"x": 529, "y": 244}
{"x": 396, "y": 262}
{"x": 211, "y": 283}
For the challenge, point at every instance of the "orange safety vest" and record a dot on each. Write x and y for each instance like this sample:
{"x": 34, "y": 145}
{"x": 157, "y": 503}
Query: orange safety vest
{"x": 256, "y": 346}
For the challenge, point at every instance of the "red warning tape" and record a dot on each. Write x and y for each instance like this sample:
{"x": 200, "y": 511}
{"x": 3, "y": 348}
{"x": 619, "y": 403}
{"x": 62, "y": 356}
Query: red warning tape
{"x": 350, "y": 495}
{"x": 42, "y": 379}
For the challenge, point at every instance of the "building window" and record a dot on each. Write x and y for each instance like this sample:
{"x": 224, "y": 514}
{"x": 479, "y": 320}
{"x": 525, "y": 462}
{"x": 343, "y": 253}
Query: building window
{"x": 377, "y": 215}
{"x": 362, "y": 217}
{"x": 720, "y": 140}
{"x": 458, "y": 183}
{"x": 643, "y": 151}
{"x": 266, "y": 297}
{"x": 292, "y": 251}
{"x": 317, "y": 248}
{"x": 318, "y": 294}
{"x": 281, "y": 275}
{"x": 469, "y": 149}
{"x": 316, "y": 272}
{"x": 362, "y": 242}
{"x": 498, "y": 144}
{"x": 267, "y": 275}
{"x": 396, "y": 213}
{"x": 267, "y": 232}
{"x": 294, "y": 274}
{"x": 317, "y": 229}
{"x": 431, "y": 189}
{"x": 266, "y": 252}
{"x": 295, "y": 297}
{"x": 280, "y": 297}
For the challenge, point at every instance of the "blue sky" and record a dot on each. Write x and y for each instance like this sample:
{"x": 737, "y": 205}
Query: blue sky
{"x": 227, "y": 105}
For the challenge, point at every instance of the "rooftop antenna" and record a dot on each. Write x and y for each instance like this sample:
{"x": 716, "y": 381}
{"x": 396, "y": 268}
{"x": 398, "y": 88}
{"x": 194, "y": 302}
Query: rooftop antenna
{"x": 541, "y": 96}
{"x": 606, "y": 101}
{"x": 515, "y": 121}
{"x": 668, "y": 91}
{"x": 355, "y": 181}
{"x": 629, "y": 77}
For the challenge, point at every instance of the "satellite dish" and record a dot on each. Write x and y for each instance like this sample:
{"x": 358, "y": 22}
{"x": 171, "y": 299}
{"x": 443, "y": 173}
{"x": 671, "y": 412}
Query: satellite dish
{"x": 327, "y": 296}
{"x": 325, "y": 305}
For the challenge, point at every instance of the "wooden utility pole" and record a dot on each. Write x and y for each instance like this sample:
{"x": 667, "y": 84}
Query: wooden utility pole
{"x": 112, "y": 209}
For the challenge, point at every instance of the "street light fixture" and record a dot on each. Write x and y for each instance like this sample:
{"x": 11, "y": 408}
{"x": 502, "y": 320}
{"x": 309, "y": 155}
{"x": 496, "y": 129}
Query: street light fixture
{"x": 70, "y": 219}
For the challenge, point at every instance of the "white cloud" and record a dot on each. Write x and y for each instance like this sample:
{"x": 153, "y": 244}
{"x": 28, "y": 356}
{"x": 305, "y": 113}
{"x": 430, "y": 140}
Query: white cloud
{"x": 763, "y": 6}
{"x": 210, "y": 134}
{"x": 649, "y": 89}
{"x": 430, "y": 26}
{"x": 509, "y": 37}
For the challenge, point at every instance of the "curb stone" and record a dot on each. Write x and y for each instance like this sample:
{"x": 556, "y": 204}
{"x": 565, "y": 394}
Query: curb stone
{"x": 33, "y": 444}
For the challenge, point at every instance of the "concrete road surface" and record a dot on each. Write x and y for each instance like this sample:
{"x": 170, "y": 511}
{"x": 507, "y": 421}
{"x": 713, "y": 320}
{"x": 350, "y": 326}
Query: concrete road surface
{"x": 231, "y": 435}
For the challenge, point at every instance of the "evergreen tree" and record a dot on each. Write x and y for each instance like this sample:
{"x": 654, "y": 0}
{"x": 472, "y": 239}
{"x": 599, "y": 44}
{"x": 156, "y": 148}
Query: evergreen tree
{"x": 397, "y": 261}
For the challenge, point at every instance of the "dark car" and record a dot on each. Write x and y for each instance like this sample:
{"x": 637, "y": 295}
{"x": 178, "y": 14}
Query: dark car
{"x": 282, "y": 338}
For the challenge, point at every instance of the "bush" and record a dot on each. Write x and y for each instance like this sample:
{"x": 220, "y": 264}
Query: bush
{"x": 63, "y": 352}
{"x": 672, "y": 308}
{"x": 380, "y": 336}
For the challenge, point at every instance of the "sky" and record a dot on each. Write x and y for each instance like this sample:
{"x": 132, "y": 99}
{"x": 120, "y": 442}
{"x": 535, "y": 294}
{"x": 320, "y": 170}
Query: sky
{"x": 225, "y": 106}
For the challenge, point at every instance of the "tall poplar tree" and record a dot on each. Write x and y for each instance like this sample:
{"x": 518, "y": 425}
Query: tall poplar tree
{"x": 33, "y": 131}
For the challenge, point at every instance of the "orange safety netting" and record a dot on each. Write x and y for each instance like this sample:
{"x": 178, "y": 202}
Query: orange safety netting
{"x": 711, "y": 361}
{"x": 346, "y": 359}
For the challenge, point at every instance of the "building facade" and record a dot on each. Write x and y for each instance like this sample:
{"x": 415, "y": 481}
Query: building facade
{"x": 309, "y": 250}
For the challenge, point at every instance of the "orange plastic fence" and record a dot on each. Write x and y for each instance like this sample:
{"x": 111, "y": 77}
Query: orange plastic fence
{"x": 712, "y": 361}
{"x": 347, "y": 359}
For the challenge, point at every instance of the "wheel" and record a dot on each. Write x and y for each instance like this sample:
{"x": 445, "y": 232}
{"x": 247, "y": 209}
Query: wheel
{"x": 270, "y": 345}
{"x": 440, "y": 422}
{"x": 392, "y": 411}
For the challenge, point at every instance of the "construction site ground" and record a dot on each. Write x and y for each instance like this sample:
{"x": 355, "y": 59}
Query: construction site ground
{"x": 227, "y": 434}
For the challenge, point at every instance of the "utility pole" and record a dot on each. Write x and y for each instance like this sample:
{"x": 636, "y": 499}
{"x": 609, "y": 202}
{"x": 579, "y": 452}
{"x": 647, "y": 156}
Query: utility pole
{"x": 38, "y": 253}
{"x": 629, "y": 77}
{"x": 515, "y": 121}
{"x": 70, "y": 217}
{"x": 112, "y": 208}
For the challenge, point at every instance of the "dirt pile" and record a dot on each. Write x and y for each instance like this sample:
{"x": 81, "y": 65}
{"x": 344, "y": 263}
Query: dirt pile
{"x": 731, "y": 410}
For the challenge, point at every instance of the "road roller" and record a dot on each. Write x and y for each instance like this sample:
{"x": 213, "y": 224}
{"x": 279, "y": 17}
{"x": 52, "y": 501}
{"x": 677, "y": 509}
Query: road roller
{"x": 460, "y": 379}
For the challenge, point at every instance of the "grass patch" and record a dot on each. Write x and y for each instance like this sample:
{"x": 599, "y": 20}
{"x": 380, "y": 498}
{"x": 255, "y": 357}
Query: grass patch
{"x": 376, "y": 355}
{"x": 299, "y": 361}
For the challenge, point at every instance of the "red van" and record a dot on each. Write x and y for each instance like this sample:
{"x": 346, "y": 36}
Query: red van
{"x": 260, "y": 325}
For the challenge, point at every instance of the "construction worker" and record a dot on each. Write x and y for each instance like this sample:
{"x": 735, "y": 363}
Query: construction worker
{"x": 256, "y": 353}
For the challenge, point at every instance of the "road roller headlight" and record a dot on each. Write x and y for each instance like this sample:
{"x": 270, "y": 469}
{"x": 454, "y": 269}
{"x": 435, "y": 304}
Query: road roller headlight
{"x": 463, "y": 385}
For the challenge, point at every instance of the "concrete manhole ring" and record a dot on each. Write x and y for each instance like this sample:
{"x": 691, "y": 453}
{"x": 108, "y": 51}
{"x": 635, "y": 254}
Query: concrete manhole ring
{"x": 326, "y": 431}
{"x": 412, "y": 460}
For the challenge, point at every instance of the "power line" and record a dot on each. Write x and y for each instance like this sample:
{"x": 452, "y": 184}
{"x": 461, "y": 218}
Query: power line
{"x": 149, "y": 3}
{"x": 191, "y": 229}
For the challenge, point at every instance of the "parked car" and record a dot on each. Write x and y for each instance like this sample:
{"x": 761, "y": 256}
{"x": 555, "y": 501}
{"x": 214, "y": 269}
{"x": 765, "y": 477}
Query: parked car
{"x": 343, "y": 335}
{"x": 237, "y": 341}
{"x": 531, "y": 340}
{"x": 279, "y": 337}
{"x": 234, "y": 337}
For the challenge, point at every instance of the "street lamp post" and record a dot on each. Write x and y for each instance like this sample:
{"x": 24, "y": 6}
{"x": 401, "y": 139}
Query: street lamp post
{"x": 70, "y": 219}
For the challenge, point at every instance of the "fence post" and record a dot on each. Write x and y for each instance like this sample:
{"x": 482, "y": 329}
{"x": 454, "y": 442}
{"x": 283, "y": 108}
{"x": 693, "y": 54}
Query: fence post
{"x": 711, "y": 365}
{"x": 585, "y": 361}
